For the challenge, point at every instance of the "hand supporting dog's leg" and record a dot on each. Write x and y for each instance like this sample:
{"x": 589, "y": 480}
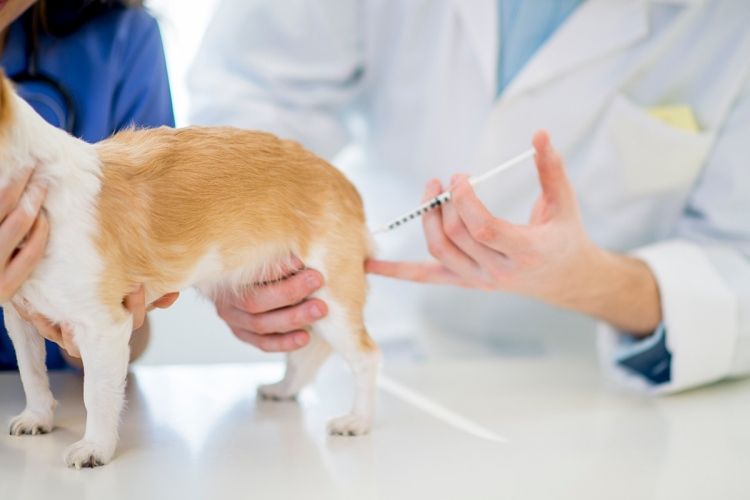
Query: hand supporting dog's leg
{"x": 38, "y": 416}
{"x": 105, "y": 354}
{"x": 352, "y": 341}
{"x": 301, "y": 367}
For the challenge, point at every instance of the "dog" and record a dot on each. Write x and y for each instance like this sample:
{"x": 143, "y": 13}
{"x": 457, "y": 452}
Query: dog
{"x": 217, "y": 208}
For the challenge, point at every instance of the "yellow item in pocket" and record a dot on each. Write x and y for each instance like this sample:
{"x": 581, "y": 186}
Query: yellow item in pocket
{"x": 678, "y": 116}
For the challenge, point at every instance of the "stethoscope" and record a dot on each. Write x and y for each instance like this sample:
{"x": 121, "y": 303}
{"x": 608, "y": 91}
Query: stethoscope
{"x": 35, "y": 81}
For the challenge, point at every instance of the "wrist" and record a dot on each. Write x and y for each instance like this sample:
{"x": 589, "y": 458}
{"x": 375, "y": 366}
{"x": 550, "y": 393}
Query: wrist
{"x": 620, "y": 290}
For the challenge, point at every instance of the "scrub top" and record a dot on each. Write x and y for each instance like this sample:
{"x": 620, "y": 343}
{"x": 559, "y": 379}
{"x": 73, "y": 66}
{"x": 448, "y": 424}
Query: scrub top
{"x": 113, "y": 70}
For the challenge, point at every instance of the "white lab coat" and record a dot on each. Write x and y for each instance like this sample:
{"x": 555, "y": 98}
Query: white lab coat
{"x": 413, "y": 83}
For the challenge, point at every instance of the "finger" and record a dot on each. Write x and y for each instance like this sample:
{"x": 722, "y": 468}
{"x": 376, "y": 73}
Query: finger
{"x": 281, "y": 294}
{"x": 420, "y": 272}
{"x": 69, "y": 342}
{"x": 16, "y": 226}
{"x": 46, "y": 329}
{"x": 440, "y": 245}
{"x": 21, "y": 309}
{"x": 551, "y": 170}
{"x": 165, "y": 301}
{"x": 11, "y": 194}
{"x": 484, "y": 227}
{"x": 136, "y": 304}
{"x": 279, "y": 342}
{"x": 285, "y": 270}
{"x": 24, "y": 262}
{"x": 288, "y": 268}
{"x": 457, "y": 232}
{"x": 279, "y": 320}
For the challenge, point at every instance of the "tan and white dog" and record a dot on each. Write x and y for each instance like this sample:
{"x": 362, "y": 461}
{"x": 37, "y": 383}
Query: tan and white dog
{"x": 216, "y": 208}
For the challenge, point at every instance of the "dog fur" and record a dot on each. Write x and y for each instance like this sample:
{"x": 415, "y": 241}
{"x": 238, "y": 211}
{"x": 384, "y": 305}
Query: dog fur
{"x": 215, "y": 208}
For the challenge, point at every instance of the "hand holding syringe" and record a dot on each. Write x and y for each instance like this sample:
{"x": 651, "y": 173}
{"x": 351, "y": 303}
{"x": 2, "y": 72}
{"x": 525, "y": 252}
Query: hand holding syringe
{"x": 446, "y": 196}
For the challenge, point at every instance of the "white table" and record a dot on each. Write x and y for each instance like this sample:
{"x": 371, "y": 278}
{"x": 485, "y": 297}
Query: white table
{"x": 197, "y": 432}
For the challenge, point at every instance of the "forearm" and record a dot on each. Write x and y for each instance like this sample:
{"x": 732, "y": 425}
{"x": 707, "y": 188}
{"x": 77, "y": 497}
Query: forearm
{"x": 139, "y": 340}
{"x": 620, "y": 290}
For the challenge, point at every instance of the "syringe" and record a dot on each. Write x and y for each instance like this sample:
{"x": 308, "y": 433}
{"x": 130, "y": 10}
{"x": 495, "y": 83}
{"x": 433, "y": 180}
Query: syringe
{"x": 446, "y": 196}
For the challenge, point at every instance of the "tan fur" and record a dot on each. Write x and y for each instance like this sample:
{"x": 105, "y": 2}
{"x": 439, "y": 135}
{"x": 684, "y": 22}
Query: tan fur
{"x": 6, "y": 103}
{"x": 169, "y": 197}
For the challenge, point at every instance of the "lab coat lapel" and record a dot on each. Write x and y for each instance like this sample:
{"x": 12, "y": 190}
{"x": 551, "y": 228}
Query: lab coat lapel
{"x": 479, "y": 19}
{"x": 595, "y": 29}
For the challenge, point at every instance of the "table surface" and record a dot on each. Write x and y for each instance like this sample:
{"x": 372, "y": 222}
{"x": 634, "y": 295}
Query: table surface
{"x": 486, "y": 428}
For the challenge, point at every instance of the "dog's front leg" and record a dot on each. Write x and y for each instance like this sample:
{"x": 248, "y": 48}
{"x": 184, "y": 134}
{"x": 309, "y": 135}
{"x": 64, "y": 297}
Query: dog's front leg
{"x": 38, "y": 416}
{"x": 105, "y": 355}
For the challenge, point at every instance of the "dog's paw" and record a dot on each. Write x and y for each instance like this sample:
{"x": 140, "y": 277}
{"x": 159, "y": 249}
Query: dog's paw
{"x": 31, "y": 423}
{"x": 86, "y": 454}
{"x": 349, "y": 425}
{"x": 276, "y": 392}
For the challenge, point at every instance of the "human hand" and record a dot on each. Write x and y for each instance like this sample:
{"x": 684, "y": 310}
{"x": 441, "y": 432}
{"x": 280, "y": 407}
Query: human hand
{"x": 24, "y": 230}
{"x": 63, "y": 334}
{"x": 551, "y": 258}
{"x": 273, "y": 316}
{"x": 136, "y": 304}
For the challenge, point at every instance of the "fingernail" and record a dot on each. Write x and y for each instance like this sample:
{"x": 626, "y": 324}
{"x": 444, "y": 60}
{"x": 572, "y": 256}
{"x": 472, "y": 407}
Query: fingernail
{"x": 300, "y": 339}
{"x": 315, "y": 311}
{"x": 313, "y": 280}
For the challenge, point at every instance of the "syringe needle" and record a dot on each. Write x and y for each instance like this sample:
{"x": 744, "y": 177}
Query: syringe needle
{"x": 445, "y": 196}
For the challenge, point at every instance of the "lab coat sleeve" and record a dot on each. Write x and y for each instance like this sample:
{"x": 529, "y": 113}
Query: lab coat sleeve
{"x": 291, "y": 67}
{"x": 703, "y": 273}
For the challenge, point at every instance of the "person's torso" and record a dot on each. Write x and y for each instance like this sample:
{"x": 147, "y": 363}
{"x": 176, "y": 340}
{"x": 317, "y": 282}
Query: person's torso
{"x": 431, "y": 96}
{"x": 90, "y": 65}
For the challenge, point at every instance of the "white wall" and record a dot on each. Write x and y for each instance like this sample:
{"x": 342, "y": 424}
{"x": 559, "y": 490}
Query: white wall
{"x": 182, "y": 23}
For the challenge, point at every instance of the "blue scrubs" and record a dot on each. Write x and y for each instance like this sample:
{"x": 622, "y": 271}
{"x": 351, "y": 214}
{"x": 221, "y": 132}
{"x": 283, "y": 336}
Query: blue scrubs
{"x": 113, "y": 67}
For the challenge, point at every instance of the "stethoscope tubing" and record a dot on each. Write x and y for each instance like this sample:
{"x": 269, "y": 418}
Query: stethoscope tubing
{"x": 32, "y": 73}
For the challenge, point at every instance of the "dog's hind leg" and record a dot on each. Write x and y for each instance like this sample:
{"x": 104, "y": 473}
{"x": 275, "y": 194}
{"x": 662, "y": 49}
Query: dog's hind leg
{"x": 105, "y": 355}
{"x": 301, "y": 367}
{"x": 343, "y": 328}
{"x": 38, "y": 416}
{"x": 346, "y": 334}
{"x": 363, "y": 358}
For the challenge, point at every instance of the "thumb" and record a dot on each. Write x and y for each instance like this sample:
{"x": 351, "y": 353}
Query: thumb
{"x": 552, "y": 177}
{"x": 136, "y": 304}
{"x": 68, "y": 339}
{"x": 166, "y": 300}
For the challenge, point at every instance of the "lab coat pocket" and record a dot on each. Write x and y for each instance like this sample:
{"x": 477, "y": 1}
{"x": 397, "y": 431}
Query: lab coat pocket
{"x": 655, "y": 157}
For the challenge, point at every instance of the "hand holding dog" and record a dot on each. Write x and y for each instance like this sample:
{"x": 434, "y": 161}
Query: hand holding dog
{"x": 24, "y": 230}
{"x": 273, "y": 316}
